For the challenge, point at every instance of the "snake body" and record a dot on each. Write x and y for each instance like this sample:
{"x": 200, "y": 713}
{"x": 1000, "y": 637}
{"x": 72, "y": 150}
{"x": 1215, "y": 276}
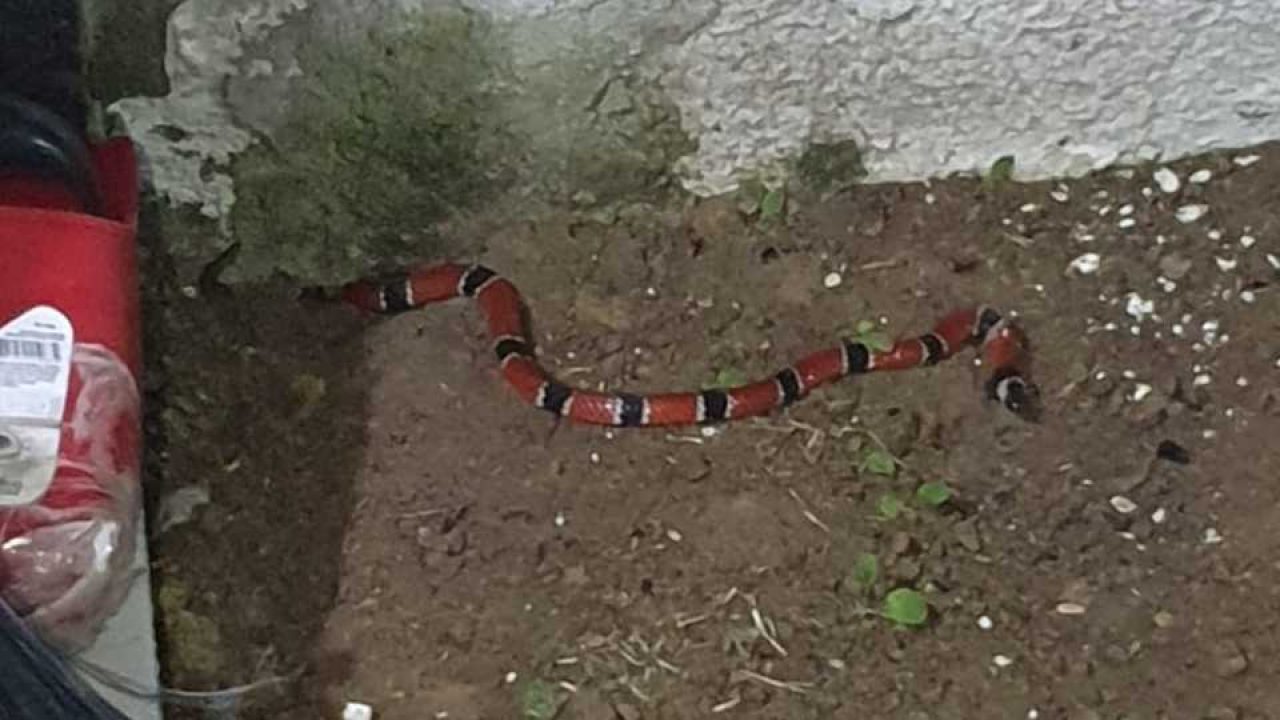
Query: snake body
{"x": 1001, "y": 343}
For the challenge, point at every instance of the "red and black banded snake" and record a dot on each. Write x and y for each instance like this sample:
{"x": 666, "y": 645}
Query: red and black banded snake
{"x": 1002, "y": 345}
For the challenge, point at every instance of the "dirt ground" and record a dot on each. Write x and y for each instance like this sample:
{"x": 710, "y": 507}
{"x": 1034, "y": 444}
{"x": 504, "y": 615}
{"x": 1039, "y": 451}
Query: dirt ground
{"x": 386, "y": 519}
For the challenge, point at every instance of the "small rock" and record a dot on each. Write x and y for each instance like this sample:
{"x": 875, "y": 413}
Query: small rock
{"x": 1229, "y": 660}
{"x": 1247, "y": 241}
{"x": 1070, "y": 608}
{"x": 1190, "y": 213}
{"x": 1245, "y": 160}
{"x": 985, "y": 623}
{"x": 1221, "y": 712}
{"x": 832, "y": 280}
{"x": 1226, "y": 264}
{"x": 1167, "y": 180}
{"x": 357, "y": 711}
{"x": 1174, "y": 266}
{"x": 966, "y": 533}
{"x": 1123, "y": 505}
{"x": 1200, "y": 176}
{"x": 1158, "y": 517}
{"x": 1086, "y": 264}
{"x": 1002, "y": 661}
{"x": 1163, "y": 619}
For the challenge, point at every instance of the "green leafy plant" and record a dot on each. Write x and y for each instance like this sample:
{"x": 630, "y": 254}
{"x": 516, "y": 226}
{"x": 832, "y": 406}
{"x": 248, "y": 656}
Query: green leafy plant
{"x": 933, "y": 494}
{"x": 878, "y": 462}
{"x": 889, "y": 507}
{"x": 905, "y": 606}
{"x": 771, "y": 204}
{"x": 538, "y": 701}
{"x": 1001, "y": 171}
{"x": 865, "y": 571}
{"x": 869, "y": 334}
{"x": 728, "y": 378}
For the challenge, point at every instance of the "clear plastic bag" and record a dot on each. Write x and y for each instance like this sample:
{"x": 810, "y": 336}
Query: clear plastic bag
{"x": 66, "y": 558}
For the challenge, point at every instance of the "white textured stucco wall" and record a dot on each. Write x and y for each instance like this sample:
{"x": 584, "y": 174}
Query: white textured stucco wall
{"x": 925, "y": 87}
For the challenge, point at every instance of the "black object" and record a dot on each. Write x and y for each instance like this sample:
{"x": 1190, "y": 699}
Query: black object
{"x": 37, "y": 682}
{"x": 1173, "y": 452}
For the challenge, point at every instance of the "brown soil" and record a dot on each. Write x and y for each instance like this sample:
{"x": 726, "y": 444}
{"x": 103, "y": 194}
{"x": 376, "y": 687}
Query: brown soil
{"x": 424, "y": 543}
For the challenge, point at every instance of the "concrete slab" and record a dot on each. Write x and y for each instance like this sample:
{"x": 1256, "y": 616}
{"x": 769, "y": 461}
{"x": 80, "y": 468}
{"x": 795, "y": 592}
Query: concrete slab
{"x": 127, "y": 645}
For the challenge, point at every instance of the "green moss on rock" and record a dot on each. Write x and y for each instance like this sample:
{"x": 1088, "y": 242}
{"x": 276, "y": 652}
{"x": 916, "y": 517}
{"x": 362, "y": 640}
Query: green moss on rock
{"x": 384, "y": 139}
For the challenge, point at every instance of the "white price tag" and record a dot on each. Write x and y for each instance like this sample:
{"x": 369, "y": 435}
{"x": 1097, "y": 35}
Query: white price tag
{"x": 35, "y": 370}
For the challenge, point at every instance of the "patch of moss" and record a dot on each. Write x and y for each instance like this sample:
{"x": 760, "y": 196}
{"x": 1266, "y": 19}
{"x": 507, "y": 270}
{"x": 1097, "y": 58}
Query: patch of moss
{"x": 192, "y": 641}
{"x": 827, "y": 167}
{"x": 384, "y": 138}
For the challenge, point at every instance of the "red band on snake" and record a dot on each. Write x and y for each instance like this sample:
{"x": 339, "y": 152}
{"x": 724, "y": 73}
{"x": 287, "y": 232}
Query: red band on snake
{"x": 1001, "y": 343}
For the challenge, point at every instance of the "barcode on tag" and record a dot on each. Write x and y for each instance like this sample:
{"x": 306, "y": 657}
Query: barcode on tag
{"x": 30, "y": 350}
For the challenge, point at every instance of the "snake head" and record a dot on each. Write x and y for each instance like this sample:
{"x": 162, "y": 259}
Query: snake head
{"x": 1017, "y": 394}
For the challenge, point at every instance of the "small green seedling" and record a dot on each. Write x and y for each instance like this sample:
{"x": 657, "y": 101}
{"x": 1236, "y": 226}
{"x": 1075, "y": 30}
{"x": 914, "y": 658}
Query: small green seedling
{"x": 771, "y": 204}
{"x": 878, "y": 462}
{"x": 869, "y": 334}
{"x": 905, "y": 606}
{"x": 933, "y": 494}
{"x": 728, "y": 378}
{"x": 889, "y": 507}
{"x": 1001, "y": 171}
{"x": 538, "y": 701}
{"x": 865, "y": 571}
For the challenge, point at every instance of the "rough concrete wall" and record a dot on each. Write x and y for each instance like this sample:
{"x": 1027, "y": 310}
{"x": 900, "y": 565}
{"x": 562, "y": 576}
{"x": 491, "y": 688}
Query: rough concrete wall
{"x": 948, "y": 85}
{"x": 924, "y": 88}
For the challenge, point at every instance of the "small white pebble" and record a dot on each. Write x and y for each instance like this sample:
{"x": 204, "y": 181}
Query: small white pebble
{"x": 674, "y": 535}
{"x": 1138, "y": 308}
{"x": 1123, "y": 505}
{"x": 1229, "y": 412}
{"x": 511, "y": 678}
{"x": 1059, "y": 196}
{"x": 1167, "y": 180}
{"x": 1135, "y": 330}
{"x": 1225, "y": 264}
{"x": 357, "y": 711}
{"x": 1002, "y": 661}
{"x": 1104, "y": 211}
{"x": 1166, "y": 284}
{"x": 1247, "y": 241}
{"x": 1176, "y": 329}
{"x": 1033, "y": 714}
{"x": 1215, "y": 234}
{"x": 1110, "y": 327}
{"x": 1274, "y": 261}
{"x": 1209, "y": 434}
{"x": 1190, "y": 213}
{"x": 1200, "y": 176}
{"x": 1159, "y": 516}
{"x": 1128, "y": 374}
{"x": 1212, "y": 536}
{"x": 832, "y": 280}
{"x": 1126, "y": 223}
{"x": 595, "y": 458}
{"x": 1247, "y": 297}
{"x": 1202, "y": 380}
{"x": 651, "y": 292}
{"x": 1069, "y": 608}
{"x": 1125, "y": 210}
{"x": 1242, "y": 381}
{"x": 985, "y": 623}
{"x": 1147, "y": 192}
{"x": 1161, "y": 240}
{"x": 560, "y": 519}
{"x": 929, "y": 199}
{"x": 1086, "y": 264}
{"x": 1245, "y": 160}
{"x": 709, "y": 431}
{"x": 1100, "y": 375}
{"x": 1029, "y": 208}
{"x": 1141, "y": 391}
